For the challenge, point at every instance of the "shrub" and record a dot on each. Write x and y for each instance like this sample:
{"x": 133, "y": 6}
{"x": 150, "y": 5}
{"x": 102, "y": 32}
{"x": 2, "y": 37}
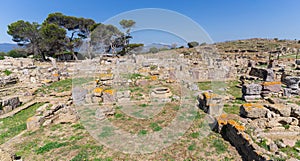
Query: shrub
{"x": 193, "y": 44}
{"x": 219, "y": 146}
{"x": 2, "y": 54}
{"x": 16, "y": 54}
{"x": 153, "y": 50}
{"x": 7, "y": 72}
{"x": 155, "y": 127}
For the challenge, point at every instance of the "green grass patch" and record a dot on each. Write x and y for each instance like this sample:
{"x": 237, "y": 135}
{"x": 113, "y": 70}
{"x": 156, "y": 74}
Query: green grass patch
{"x": 7, "y": 72}
{"x": 264, "y": 145}
{"x": 220, "y": 146}
{"x": 75, "y": 137}
{"x": 233, "y": 109}
{"x": 27, "y": 147}
{"x": 49, "y": 146}
{"x": 205, "y": 85}
{"x": 55, "y": 127}
{"x": 132, "y": 76}
{"x": 81, "y": 156}
{"x": 195, "y": 134}
{"x": 233, "y": 89}
{"x": 119, "y": 115}
{"x": 192, "y": 147}
{"x": 60, "y": 86}
{"x": 143, "y": 105}
{"x": 155, "y": 127}
{"x": 77, "y": 126}
{"x": 219, "y": 86}
{"x": 63, "y": 85}
{"x": 143, "y": 132}
{"x": 292, "y": 152}
{"x": 12, "y": 126}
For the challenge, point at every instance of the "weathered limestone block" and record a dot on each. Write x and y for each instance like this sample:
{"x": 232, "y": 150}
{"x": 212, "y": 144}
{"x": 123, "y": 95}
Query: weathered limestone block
{"x": 253, "y": 110}
{"x": 106, "y": 77}
{"x": 281, "y": 121}
{"x": 289, "y": 142}
{"x": 273, "y": 87}
{"x": 251, "y": 98}
{"x": 281, "y": 109}
{"x": 251, "y": 89}
{"x": 259, "y": 123}
{"x": 109, "y": 96}
{"x": 98, "y": 92}
{"x": 9, "y": 104}
{"x": 234, "y": 132}
{"x": 295, "y": 110}
{"x": 79, "y": 95}
{"x": 142, "y": 82}
{"x": 34, "y": 122}
{"x": 7, "y": 80}
{"x": 291, "y": 82}
{"x": 266, "y": 74}
{"x": 42, "y": 109}
{"x": 102, "y": 112}
{"x": 210, "y": 103}
{"x": 123, "y": 96}
{"x": 63, "y": 94}
{"x": 66, "y": 115}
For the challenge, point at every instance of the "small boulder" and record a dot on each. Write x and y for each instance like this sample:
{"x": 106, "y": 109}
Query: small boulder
{"x": 12, "y": 102}
{"x": 295, "y": 110}
{"x": 252, "y": 89}
{"x": 289, "y": 142}
{"x": 291, "y": 82}
{"x": 273, "y": 87}
{"x": 281, "y": 109}
{"x": 273, "y": 147}
{"x": 253, "y": 110}
{"x": 34, "y": 122}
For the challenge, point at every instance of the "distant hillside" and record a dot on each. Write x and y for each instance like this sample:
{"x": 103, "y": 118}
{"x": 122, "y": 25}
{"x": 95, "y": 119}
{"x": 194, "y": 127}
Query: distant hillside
{"x": 146, "y": 48}
{"x": 255, "y": 45}
{"x": 6, "y": 47}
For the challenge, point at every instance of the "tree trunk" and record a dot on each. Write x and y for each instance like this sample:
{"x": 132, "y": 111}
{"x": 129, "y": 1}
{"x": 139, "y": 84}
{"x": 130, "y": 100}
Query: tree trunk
{"x": 74, "y": 55}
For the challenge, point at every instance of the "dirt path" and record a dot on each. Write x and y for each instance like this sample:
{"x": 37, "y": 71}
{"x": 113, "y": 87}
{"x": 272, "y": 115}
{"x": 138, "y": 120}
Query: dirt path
{"x": 8, "y": 145}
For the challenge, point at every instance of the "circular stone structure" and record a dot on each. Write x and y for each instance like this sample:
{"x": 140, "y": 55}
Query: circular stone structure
{"x": 161, "y": 92}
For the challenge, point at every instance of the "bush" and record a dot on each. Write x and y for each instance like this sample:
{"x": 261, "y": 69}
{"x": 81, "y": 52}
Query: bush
{"x": 193, "y": 44}
{"x": 7, "y": 72}
{"x": 16, "y": 54}
{"x": 153, "y": 50}
{"x": 2, "y": 54}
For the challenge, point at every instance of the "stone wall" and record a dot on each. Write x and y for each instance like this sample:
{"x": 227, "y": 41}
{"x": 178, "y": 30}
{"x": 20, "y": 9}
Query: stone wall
{"x": 243, "y": 143}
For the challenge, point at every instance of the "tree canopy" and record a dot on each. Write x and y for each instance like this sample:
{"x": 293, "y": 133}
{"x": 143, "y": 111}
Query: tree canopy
{"x": 60, "y": 33}
{"x": 25, "y": 34}
{"x": 78, "y": 28}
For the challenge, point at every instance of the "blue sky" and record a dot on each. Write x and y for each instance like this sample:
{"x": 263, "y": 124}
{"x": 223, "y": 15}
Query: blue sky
{"x": 222, "y": 20}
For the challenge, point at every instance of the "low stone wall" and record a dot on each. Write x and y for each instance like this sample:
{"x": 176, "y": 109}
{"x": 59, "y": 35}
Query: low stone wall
{"x": 243, "y": 143}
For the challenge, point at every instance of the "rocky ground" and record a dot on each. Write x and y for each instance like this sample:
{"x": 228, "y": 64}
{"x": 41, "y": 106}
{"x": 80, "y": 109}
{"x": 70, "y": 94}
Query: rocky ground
{"x": 250, "y": 99}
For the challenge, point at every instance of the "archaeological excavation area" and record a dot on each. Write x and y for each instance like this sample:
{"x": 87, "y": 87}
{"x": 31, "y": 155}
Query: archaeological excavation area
{"x": 236, "y": 100}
